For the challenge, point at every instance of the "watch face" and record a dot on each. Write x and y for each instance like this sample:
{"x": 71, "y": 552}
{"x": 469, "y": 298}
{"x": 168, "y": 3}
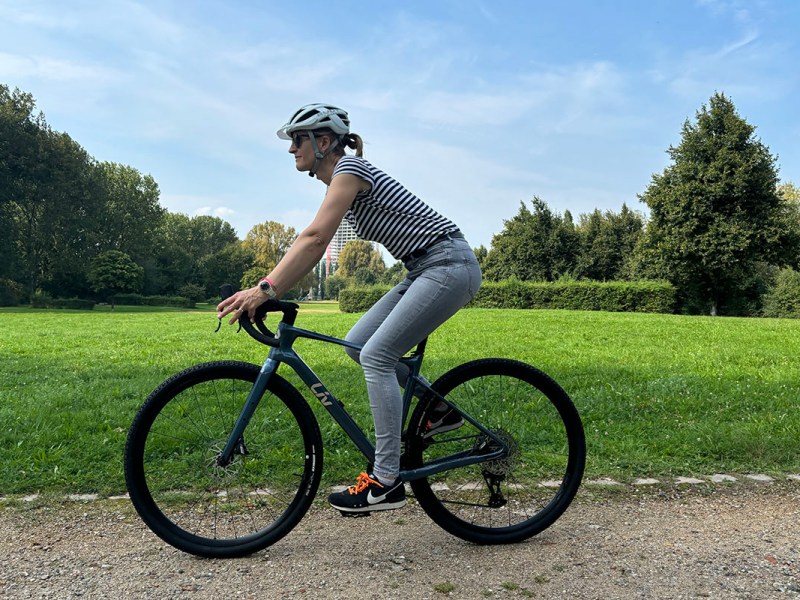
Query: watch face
{"x": 266, "y": 288}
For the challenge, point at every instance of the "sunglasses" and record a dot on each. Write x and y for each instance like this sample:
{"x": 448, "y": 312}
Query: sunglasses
{"x": 297, "y": 139}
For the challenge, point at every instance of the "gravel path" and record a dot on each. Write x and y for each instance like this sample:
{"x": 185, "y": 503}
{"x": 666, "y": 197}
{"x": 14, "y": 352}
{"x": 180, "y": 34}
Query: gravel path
{"x": 741, "y": 541}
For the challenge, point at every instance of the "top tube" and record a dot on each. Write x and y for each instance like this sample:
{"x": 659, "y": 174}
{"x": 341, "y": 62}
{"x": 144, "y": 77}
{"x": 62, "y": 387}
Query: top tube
{"x": 287, "y": 333}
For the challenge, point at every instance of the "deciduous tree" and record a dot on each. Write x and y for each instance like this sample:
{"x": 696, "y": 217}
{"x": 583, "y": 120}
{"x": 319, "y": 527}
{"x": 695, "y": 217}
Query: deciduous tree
{"x": 359, "y": 254}
{"x": 715, "y": 211}
{"x": 114, "y": 272}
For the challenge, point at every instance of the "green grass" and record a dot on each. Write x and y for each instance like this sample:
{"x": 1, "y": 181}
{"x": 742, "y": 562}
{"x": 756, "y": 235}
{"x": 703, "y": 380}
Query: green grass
{"x": 659, "y": 394}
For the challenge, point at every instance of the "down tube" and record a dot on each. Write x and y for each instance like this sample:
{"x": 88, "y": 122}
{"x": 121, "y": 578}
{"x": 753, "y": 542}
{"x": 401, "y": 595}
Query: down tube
{"x": 333, "y": 405}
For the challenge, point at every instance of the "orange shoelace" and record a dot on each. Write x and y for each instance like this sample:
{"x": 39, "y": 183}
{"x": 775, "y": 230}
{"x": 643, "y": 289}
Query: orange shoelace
{"x": 361, "y": 483}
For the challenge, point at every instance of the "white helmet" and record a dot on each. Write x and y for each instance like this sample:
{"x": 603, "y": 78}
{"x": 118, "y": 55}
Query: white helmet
{"x": 316, "y": 116}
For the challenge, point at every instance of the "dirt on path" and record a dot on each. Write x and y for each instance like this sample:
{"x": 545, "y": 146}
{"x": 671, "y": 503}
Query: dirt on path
{"x": 738, "y": 542}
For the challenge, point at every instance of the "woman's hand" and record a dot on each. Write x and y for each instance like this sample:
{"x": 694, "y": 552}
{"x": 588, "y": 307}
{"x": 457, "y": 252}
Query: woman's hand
{"x": 241, "y": 303}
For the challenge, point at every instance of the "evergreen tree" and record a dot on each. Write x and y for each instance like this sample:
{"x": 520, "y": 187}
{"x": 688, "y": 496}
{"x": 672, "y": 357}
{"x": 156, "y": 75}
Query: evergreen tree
{"x": 535, "y": 245}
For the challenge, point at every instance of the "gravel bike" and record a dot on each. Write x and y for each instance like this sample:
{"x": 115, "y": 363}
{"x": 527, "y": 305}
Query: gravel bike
{"x": 224, "y": 458}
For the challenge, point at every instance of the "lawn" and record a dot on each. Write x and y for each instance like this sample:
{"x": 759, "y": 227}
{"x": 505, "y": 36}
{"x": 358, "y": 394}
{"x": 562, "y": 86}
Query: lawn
{"x": 659, "y": 394}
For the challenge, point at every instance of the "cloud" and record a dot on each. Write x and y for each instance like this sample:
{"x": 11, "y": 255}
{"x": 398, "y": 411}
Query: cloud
{"x": 15, "y": 67}
{"x": 223, "y": 212}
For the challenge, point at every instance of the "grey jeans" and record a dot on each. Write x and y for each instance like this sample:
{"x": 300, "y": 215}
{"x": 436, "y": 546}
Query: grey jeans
{"x": 437, "y": 285}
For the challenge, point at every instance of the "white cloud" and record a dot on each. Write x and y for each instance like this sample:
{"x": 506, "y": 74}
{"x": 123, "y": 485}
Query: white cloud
{"x": 15, "y": 67}
{"x": 223, "y": 212}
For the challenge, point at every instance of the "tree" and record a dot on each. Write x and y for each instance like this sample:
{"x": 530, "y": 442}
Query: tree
{"x": 566, "y": 244}
{"x": 19, "y": 129}
{"x": 226, "y": 266}
{"x": 358, "y": 254}
{"x": 791, "y": 214}
{"x": 789, "y": 191}
{"x": 114, "y": 272}
{"x": 714, "y": 212}
{"x": 607, "y": 242}
{"x": 171, "y": 263}
{"x": 333, "y": 285}
{"x": 535, "y": 245}
{"x": 783, "y": 298}
{"x": 49, "y": 199}
{"x": 209, "y": 235}
{"x": 183, "y": 248}
{"x": 132, "y": 214}
{"x": 321, "y": 276}
{"x": 481, "y": 253}
{"x": 268, "y": 242}
{"x": 395, "y": 274}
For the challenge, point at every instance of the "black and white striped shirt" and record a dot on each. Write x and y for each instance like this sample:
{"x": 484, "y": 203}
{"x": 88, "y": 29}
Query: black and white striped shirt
{"x": 388, "y": 213}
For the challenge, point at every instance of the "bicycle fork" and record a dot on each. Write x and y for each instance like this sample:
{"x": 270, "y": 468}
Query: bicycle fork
{"x": 235, "y": 444}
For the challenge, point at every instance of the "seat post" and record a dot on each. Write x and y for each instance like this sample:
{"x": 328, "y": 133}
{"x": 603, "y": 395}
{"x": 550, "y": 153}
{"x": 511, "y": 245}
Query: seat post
{"x": 420, "y": 349}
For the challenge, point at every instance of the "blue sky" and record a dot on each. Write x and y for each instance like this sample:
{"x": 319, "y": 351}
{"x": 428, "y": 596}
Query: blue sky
{"x": 475, "y": 105}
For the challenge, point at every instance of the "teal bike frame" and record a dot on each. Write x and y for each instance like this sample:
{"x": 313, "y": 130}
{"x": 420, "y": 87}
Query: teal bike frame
{"x": 283, "y": 352}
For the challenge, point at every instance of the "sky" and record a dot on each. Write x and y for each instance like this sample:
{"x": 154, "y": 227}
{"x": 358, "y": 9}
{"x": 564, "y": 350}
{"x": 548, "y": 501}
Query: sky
{"x": 475, "y": 106}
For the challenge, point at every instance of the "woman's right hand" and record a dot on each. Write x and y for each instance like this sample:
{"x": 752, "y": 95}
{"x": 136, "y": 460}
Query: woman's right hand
{"x": 241, "y": 303}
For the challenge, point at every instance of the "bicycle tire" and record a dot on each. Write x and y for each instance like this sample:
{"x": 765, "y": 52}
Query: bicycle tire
{"x": 534, "y": 484}
{"x": 191, "y": 502}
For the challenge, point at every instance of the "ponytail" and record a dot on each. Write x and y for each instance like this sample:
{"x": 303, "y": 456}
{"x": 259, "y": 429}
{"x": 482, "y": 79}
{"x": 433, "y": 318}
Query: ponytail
{"x": 354, "y": 142}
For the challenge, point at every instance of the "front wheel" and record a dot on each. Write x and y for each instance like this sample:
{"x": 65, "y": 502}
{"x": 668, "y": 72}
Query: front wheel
{"x": 200, "y": 506}
{"x": 517, "y": 495}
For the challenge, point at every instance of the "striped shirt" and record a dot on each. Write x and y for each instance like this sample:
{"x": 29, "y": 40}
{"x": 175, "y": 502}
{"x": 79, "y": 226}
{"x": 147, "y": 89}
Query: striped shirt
{"x": 388, "y": 213}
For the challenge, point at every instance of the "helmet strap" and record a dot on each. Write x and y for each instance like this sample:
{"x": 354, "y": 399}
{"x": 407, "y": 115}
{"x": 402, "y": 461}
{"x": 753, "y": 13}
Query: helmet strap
{"x": 318, "y": 156}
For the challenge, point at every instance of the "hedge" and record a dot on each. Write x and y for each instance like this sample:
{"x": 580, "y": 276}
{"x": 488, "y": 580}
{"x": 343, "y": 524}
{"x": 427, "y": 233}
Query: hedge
{"x": 360, "y": 299}
{"x": 44, "y": 301}
{"x": 140, "y": 300}
{"x": 612, "y": 296}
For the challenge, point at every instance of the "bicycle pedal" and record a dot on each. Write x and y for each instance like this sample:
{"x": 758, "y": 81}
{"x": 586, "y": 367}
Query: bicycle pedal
{"x": 354, "y": 515}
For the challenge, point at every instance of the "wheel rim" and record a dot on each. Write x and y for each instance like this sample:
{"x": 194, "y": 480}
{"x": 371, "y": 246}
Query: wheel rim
{"x": 200, "y": 500}
{"x": 528, "y": 487}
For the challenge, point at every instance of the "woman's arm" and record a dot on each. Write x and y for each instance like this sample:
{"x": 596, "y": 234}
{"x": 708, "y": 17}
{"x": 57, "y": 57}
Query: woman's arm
{"x": 305, "y": 252}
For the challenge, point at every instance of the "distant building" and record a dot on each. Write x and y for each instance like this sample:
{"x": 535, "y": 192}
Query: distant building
{"x": 344, "y": 234}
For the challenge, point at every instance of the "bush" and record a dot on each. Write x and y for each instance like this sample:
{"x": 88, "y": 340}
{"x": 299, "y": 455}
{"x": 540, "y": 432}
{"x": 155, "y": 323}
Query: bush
{"x": 360, "y": 299}
{"x": 783, "y": 298}
{"x": 193, "y": 292}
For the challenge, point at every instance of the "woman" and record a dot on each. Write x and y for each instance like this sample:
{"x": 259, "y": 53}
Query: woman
{"x": 443, "y": 275}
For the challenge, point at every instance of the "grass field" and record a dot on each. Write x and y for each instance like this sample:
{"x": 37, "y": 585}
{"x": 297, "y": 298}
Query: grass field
{"x": 658, "y": 394}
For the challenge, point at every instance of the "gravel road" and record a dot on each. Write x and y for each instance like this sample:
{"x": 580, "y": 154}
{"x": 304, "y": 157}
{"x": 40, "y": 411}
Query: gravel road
{"x": 727, "y": 542}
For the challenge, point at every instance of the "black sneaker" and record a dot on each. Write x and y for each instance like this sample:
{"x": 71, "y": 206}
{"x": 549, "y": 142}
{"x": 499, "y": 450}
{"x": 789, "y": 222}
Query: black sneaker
{"x": 369, "y": 494}
{"x": 442, "y": 419}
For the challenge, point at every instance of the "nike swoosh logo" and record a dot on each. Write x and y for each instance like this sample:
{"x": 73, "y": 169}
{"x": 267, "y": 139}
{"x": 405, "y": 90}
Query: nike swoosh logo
{"x": 375, "y": 499}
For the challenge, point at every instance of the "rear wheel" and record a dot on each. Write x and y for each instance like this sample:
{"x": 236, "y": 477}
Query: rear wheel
{"x": 511, "y": 498}
{"x": 200, "y": 506}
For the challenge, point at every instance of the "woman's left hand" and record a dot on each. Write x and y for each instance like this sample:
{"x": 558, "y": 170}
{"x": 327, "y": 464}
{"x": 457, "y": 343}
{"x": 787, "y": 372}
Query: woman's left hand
{"x": 241, "y": 303}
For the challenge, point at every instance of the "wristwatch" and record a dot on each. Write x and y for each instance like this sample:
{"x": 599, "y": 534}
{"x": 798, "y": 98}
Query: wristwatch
{"x": 265, "y": 285}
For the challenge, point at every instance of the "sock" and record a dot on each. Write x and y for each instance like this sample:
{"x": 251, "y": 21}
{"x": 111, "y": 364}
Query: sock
{"x": 386, "y": 482}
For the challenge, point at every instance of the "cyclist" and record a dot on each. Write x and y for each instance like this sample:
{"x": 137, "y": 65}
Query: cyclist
{"x": 443, "y": 275}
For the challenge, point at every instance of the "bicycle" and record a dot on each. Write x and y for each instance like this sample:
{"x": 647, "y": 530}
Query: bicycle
{"x": 211, "y": 479}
